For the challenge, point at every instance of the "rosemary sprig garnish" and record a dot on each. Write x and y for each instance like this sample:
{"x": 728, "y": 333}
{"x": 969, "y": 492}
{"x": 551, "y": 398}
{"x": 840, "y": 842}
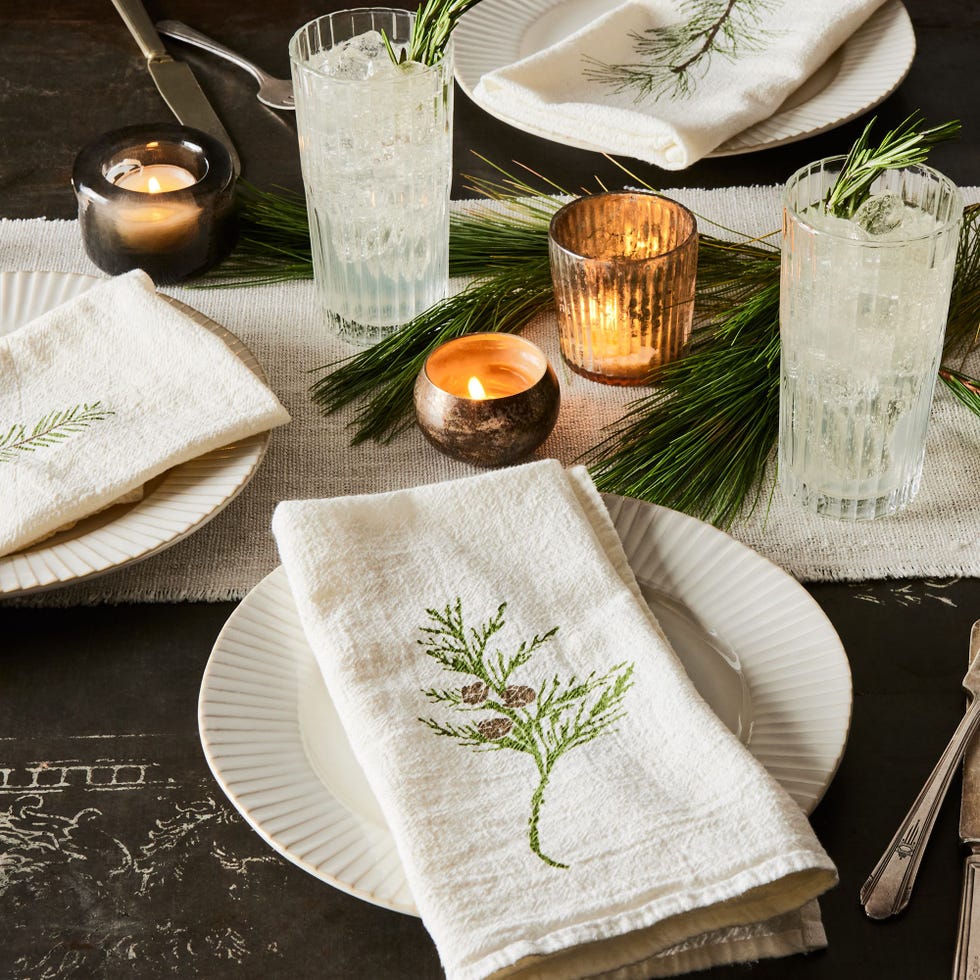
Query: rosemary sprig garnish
{"x": 903, "y": 146}
{"x": 434, "y": 23}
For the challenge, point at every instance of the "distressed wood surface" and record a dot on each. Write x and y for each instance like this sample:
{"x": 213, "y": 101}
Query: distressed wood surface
{"x": 119, "y": 855}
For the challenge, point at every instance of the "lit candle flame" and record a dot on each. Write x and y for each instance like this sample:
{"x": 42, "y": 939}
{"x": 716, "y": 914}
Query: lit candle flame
{"x": 475, "y": 389}
{"x": 153, "y": 186}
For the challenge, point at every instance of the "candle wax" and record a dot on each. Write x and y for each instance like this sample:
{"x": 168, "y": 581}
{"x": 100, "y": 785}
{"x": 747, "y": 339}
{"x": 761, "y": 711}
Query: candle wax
{"x": 156, "y": 178}
{"x": 159, "y": 224}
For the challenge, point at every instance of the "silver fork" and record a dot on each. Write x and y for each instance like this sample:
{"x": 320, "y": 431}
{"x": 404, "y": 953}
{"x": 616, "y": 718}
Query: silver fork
{"x": 274, "y": 92}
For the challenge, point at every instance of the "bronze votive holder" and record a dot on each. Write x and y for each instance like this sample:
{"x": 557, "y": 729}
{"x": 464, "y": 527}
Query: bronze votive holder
{"x": 488, "y": 398}
{"x": 623, "y": 266}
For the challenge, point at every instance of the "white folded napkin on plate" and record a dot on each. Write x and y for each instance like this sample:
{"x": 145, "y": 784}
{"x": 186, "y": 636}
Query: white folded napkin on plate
{"x": 564, "y": 803}
{"x": 680, "y": 77}
{"x": 105, "y": 392}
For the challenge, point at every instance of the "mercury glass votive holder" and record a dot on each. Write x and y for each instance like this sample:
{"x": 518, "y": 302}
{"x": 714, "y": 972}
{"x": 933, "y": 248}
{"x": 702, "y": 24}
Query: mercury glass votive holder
{"x": 487, "y": 398}
{"x": 157, "y": 197}
{"x": 624, "y": 267}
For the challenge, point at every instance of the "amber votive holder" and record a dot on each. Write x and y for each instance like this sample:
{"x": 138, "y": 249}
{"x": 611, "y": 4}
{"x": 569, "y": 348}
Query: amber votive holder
{"x": 487, "y": 398}
{"x": 157, "y": 197}
{"x": 624, "y": 267}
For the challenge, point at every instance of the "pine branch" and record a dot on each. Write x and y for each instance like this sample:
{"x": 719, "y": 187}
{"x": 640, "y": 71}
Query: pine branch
{"x": 668, "y": 56}
{"x": 273, "y": 242}
{"x": 699, "y": 442}
{"x": 965, "y": 388}
{"x": 51, "y": 429}
{"x": 560, "y": 719}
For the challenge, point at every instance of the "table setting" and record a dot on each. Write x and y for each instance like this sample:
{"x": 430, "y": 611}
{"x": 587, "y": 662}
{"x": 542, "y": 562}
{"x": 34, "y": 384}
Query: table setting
{"x": 490, "y": 490}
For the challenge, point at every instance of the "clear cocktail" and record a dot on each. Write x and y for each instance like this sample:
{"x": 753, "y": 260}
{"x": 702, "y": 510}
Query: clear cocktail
{"x": 863, "y": 305}
{"x": 376, "y": 148}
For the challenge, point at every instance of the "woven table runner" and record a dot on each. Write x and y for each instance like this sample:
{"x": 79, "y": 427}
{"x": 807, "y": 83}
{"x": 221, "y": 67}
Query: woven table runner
{"x": 937, "y": 536}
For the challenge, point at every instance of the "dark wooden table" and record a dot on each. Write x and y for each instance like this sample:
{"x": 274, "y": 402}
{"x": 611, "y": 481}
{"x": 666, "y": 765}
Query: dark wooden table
{"x": 119, "y": 856}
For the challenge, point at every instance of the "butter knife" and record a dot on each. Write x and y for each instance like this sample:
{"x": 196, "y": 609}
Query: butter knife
{"x": 967, "y": 962}
{"x": 173, "y": 79}
{"x": 889, "y": 886}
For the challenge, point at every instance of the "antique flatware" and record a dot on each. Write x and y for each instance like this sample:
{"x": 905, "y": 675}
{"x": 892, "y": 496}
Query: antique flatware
{"x": 173, "y": 79}
{"x": 967, "y": 961}
{"x": 274, "y": 92}
{"x": 889, "y": 887}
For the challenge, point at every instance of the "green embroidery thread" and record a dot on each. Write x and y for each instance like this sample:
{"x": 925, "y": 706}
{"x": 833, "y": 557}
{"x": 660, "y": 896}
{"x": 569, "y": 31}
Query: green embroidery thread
{"x": 672, "y": 59}
{"x": 544, "y": 723}
{"x": 53, "y": 428}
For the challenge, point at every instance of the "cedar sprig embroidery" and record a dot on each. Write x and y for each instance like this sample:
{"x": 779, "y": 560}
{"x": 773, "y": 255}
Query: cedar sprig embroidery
{"x": 544, "y": 722}
{"x": 671, "y": 59}
{"x": 49, "y": 430}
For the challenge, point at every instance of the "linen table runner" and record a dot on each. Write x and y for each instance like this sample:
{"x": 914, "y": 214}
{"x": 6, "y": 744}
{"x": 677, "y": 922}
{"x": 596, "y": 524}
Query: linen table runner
{"x": 937, "y": 537}
{"x": 564, "y": 803}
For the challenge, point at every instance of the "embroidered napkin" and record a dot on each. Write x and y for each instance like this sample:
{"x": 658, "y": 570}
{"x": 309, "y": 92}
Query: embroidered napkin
{"x": 668, "y": 82}
{"x": 563, "y": 801}
{"x": 103, "y": 393}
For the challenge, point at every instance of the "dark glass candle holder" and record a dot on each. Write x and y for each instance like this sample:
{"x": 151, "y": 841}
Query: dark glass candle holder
{"x": 157, "y": 197}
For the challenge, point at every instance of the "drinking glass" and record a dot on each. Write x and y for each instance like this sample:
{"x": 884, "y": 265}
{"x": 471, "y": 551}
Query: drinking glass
{"x": 862, "y": 318}
{"x": 376, "y": 153}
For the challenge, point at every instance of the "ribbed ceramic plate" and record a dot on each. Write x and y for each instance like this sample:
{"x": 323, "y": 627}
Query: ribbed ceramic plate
{"x": 863, "y": 72}
{"x": 756, "y": 645}
{"x": 174, "y": 504}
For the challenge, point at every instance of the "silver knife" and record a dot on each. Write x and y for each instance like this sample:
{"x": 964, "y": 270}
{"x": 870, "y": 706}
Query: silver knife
{"x": 889, "y": 886}
{"x": 967, "y": 962}
{"x": 173, "y": 79}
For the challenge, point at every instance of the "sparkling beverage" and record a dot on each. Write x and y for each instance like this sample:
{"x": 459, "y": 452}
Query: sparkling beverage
{"x": 375, "y": 147}
{"x": 863, "y": 305}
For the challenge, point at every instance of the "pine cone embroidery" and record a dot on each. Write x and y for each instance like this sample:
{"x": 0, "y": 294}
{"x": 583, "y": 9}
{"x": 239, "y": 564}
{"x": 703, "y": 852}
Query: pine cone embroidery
{"x": 518, "y": 695}
{"x": 565, "y": 714}
{"x": 494, "y": 728}
{"x": 475, "y": 693}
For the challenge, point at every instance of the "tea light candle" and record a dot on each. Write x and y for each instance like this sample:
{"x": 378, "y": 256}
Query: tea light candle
{"x": 487, "y": 398}
{"x": 158, "y": 199}
{"x": 623, "y": 266}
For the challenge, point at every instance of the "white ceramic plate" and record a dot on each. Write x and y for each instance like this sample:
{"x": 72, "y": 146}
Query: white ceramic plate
{"x": 174, "y": 504}
{"x": 863, "y": 72}
{"x": 756, "y": 645}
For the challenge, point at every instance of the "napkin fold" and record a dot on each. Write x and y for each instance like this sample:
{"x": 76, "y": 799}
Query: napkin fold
{"x": 679, "y": 79}
{"x": 103, "y": 393}
{"x": 564, "y": 803}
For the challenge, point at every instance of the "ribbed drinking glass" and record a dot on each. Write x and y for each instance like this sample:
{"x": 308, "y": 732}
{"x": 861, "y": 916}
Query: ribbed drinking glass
{"x": 375, "y": 143}
{"x": 863, "y": 306}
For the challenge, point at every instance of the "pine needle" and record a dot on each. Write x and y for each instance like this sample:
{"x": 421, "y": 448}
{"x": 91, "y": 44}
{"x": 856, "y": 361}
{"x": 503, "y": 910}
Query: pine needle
{"x": 699, "y": 442}
{"x": 965, "y": 388}
{"x": 273, "y": 242}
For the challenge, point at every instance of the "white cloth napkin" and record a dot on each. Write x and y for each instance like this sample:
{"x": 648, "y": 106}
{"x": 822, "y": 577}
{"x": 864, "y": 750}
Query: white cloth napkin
{"x": 105, "y": 392}
{"x": 626, "y": 820}
{"x": 765, "y": 49}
